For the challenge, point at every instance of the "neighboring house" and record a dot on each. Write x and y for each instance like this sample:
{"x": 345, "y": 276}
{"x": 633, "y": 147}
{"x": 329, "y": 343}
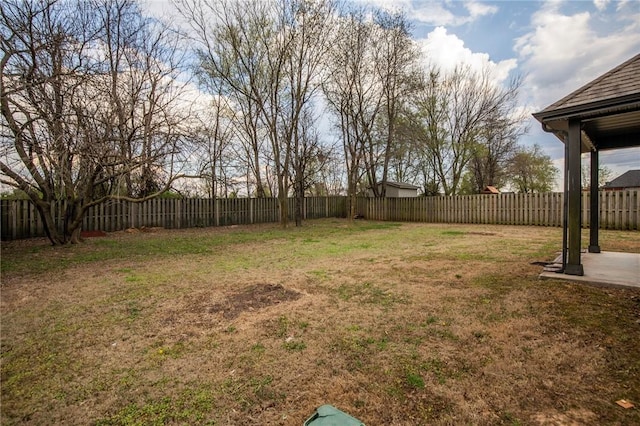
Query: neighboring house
{"x": 628, "y": 180}
{"x": 490, "y": 190}
{"x": 397, "y": 190}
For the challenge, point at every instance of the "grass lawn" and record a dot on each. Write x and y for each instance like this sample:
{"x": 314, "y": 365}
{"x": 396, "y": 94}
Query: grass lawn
{"x": 396, "y": 324}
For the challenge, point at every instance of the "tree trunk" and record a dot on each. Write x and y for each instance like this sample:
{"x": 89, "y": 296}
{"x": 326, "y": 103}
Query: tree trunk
{"x": 299, "y": 190}
{"x": 352, "y": 206}
{"x": 72, "y": 213}
{"x": 48, "y": 221}
{"x": 298, "y": 212}
{"x": 283, "y": 201}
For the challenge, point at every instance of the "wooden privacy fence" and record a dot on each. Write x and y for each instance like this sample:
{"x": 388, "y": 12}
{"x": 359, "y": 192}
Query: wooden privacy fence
{"x": 618, "y": 210}
{"x": 20, "y": 218}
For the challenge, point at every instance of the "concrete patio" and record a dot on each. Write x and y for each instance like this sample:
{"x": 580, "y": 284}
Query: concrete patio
{"x": 607, "y": 269}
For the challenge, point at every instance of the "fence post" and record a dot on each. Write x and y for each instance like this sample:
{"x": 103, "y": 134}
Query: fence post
{"x": 14, "y": 220}
{"x": 250, "y": 210}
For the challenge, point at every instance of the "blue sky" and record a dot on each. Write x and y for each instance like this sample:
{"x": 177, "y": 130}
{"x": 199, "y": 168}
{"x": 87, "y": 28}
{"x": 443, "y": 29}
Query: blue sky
{"x": 556, "y": 46}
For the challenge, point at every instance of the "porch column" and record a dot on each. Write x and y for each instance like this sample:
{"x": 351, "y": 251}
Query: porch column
{"x": 573, "y": 266}
{"x": 594, "y": 205}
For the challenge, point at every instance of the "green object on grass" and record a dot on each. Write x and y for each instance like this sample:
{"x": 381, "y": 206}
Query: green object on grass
{"x": 328, "y": 415}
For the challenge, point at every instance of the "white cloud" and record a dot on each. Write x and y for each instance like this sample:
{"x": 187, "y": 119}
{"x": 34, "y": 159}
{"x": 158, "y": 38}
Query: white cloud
{"x": 446, "y": 51}
{"x": 477, "y": 9}
{"x": 563, "y": 52}
{"x": 436, "y": 12}
{"x": 601, "y": 4}
{"x": 621, "y": 4}
{"x": 389, "y": 4}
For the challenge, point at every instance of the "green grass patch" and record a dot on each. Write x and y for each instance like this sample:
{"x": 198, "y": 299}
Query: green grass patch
{"x": 452, "y": 233}
{"x": 369, "y": 293}
{"x": 414, "y": 380}
{"x": 316, "y": 238}
{"x": 192, "y": 406}
{"x": 294, "y": 345}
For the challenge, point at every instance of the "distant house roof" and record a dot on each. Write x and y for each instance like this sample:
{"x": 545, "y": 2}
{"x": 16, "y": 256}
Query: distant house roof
{"x": 630, "y": 179}
{"x": 400, "y": 185}
{"x": 490, "y": 190}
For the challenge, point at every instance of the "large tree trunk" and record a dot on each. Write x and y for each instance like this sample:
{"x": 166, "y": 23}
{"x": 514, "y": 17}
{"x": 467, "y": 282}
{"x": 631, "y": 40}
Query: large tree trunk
{"x": 299, "y": 202}
{"x": 72, "y": 220}
{"x": 352, "y": 206}
{"x": 283, "y": 202}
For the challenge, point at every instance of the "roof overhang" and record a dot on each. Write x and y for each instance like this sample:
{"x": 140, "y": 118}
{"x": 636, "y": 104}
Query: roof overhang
{"x": 605, "y": 124}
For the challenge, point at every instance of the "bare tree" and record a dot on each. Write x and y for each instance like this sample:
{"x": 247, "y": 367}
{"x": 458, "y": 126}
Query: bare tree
{"x": 310, "y": 159}
{"x": 497, "y": 144}
{"x": 353, "y": 93}
{"x": 326, "y": 170}
{"x": 604, "y": 175}
{"x": 309, "y": 24}
{"x": 268, "y": 57}
{"x": 88, "y": 102}
{"x": 404, "y": 156}
{"x": 395, "y": 59}
{"x": 455, "y": 110}
{"x": 429, "y": 112}
{"x": 141, "y": 66}
{"x": 231, "y": 65}
{"x": 212, "y": 133}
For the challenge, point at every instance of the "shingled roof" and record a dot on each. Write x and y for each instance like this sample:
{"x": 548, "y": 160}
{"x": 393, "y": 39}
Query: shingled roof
{"x": 400, "y": 185}
{"x": 607, "y": 107}
{"x": 620, "y": 82}
{"x": 630, "y": 179}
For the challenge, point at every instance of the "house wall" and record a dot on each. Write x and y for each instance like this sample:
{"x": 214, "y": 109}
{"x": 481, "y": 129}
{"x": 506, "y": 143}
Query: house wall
{"x": 395, "y": 192}
{"x": 406, "y": 193}
{"x": 392, "y": 191}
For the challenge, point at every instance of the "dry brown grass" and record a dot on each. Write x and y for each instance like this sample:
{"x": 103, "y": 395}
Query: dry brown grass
{"x": 399, "y": 324}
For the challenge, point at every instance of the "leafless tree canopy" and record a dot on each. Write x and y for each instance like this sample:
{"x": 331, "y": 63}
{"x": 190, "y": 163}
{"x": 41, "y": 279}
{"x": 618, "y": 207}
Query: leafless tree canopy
{"x": 301, "y": 97}
{"x": 467, "y": 122}
{"x": 268, "y": 58}
{"x": 88, "y": 96}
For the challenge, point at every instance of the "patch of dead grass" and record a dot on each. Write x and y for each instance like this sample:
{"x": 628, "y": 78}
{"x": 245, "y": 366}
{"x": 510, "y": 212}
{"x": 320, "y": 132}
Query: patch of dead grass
{"x": 404, "y": 325}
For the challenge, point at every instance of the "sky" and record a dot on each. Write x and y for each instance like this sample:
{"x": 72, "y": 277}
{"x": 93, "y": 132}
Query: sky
{"x": 555, "y": 46}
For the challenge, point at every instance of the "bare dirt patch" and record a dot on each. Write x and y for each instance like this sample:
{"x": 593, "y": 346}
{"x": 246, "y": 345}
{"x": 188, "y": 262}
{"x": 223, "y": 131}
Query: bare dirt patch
{"x": 255, "y": 297}
{"x": 92, "y": 234}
